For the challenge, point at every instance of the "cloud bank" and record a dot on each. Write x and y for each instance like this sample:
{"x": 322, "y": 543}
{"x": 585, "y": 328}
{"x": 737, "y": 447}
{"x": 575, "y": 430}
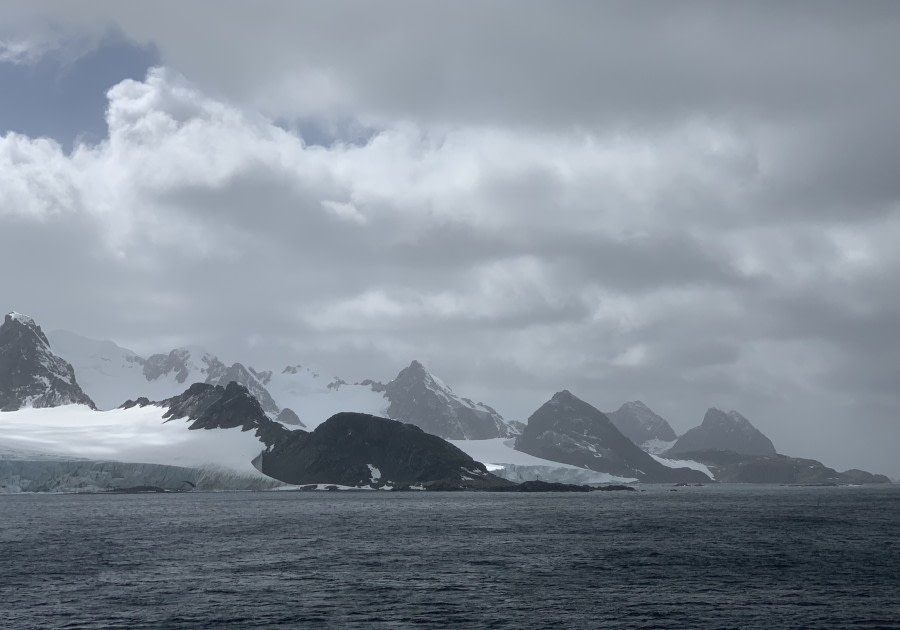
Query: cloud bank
{"x": 688, "y": 206}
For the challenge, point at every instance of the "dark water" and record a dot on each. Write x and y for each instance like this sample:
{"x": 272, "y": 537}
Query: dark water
{"x": 699, "y": 558}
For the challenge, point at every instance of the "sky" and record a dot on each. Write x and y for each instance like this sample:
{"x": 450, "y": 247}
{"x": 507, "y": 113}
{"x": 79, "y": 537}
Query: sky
{"x": 691, "y": 204}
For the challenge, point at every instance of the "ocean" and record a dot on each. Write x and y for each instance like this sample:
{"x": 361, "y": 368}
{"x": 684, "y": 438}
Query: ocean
{"x": 699, "y": 557}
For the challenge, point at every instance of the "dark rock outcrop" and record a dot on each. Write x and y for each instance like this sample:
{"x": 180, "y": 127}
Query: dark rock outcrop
{"x": 237, "y": 373}
{"x": 178, "y": 361}
{"x": 228, "y": 407}
{"x": 731, "y": 467}
{"x": 640, "y": 424}
{"x": 30, "y": 373}
{"x": 287, "y": 416}
{"x": 568, "y": 430}
{"x": 722, "y": 431}
{"x": 419, "y": 398}
{"x": 354, "y": 449}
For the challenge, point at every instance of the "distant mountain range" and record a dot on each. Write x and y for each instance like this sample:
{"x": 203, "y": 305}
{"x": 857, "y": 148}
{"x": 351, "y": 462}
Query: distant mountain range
{"x": 112, "y": 374}
{"x": 189, "y": 418}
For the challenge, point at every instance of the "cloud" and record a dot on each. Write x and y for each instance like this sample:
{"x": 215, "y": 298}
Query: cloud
{"x": 628, "y": 203}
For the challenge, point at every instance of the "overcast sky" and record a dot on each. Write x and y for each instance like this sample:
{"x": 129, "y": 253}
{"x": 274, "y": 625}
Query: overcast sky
{"x": 690, "y": 204}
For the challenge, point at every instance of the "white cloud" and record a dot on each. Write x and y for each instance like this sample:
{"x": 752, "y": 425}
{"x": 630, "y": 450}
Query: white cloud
{"x": 606, "y": 260}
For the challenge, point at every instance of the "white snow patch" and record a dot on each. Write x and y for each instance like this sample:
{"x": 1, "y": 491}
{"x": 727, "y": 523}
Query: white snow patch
{"x": 499, "y": 451}
{"x": 683, "y": 463}
{"x": 136, "y": 435}
{"x": 374, "y": 473}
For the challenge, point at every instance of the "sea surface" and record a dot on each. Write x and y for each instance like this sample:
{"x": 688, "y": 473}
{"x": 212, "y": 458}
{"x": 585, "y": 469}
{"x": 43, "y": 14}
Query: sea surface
{"x": 710, "y": 557}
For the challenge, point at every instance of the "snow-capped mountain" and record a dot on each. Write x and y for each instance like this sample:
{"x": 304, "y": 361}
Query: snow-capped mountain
{"x": 567, "y": 429}
{"x": 415, "y": 396}
{"x": 31, "y": 374}
{"x": 722, "y": 431}
{"x": 420, "y": 398}
{"x": 112, "y": 374}
{"x": 641, "y": 425}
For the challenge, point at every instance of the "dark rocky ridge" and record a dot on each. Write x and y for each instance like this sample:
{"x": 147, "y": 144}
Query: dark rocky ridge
{"x": 731, "y": 467}
{"x": 568, "y": 430}
{"x": 342, "y": 449}
{"x": 417, "y": 397}
{"x": 218, "y": 407}
{"x": 722, "y": 431}
{"x": 639, "y": 423}
{"x": 30, "y": 373}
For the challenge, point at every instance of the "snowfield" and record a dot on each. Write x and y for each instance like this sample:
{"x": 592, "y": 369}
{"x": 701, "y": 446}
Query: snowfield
{"x": 137, "y": 435}
{"x": 501, "y": 459}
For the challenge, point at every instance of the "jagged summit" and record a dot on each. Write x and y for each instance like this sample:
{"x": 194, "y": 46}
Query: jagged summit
{"x": 418, "y": 397}
{"x": 566, "y": 429}
{"x": 31, "y": 375}
{"x": 722, "y": 431}
{"x": 641, "y": 425}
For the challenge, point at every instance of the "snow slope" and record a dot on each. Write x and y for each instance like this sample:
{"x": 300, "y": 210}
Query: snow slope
{"x": 137, "y": 435}
{"x": 500, "y": 458}
{"x": 109, "y": 373}
{"x": 315, "y": 398}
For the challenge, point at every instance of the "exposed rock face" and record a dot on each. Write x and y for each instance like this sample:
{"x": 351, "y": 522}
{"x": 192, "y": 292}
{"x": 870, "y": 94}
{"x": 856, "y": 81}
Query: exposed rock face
{"x": 420, "y": 398}
{"x": 237, "y": 373}
{"x": 30, "y": 373}
{"x": 287, "y": 416}
{"x": 731, "y": 467}
{"x": 354, "y": 449}
{"x": 639, "y": 424}
{"x": 567, "y": 429}
{"x": 217, "y": 407}
{"x": 183, "y": 364}
{"x": 722, "y": 431}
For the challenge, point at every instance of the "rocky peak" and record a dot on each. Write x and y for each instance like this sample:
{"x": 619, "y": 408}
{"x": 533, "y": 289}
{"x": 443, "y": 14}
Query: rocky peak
{"x": 30, "y": 373}
{"x": 185, "y": 363}
{"x": 418, "y": 397}
{"x": 721, "y": 431}
{"x": 568, "y": 430}
{"x": 237, "y": 373}
{"x": 640, "y": 424}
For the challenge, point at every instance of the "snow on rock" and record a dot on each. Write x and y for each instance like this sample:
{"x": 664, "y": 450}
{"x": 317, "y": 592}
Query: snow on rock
{"x": 31, "y": 373}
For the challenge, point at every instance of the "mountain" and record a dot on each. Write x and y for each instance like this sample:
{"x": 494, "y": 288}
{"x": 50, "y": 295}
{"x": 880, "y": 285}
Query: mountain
{"x": 732, "y": 467}
{"x": 109, "y": 373}
{"x": 31, "y": 374}
{"x": 237, "y": 373}
{"x": 567, "y": 429}
{"x": 418, "y": 397}
{"x": 112, "y": 374}
{"x": 415, "y": 396}
{"x": 354, "y": 449}
{"x": 640, "y": 425}
{"x": 722, "y": 431}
